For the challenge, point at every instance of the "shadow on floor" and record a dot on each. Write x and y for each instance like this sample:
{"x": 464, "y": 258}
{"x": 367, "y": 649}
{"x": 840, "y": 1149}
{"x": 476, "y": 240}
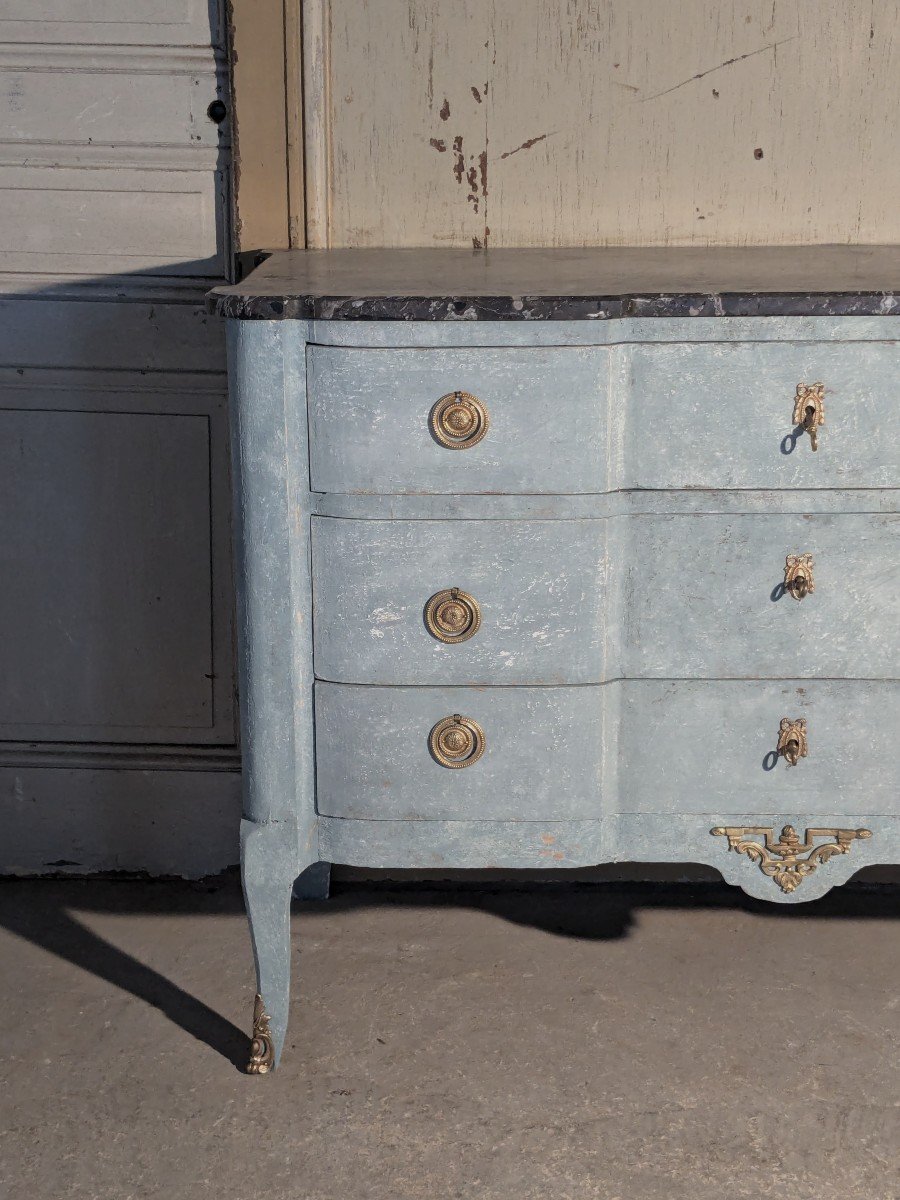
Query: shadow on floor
{"x": 45, "y": 912}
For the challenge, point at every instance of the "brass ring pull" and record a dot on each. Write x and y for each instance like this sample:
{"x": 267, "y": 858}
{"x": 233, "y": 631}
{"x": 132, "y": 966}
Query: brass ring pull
{"x": 452, "y": 616}
{"x": 809, "y": 409}
{"x": 798, "y": 575}
{"x": 792, "y": 739}
{"x": 456, "y": 742}
{"x": 459, "y": 420}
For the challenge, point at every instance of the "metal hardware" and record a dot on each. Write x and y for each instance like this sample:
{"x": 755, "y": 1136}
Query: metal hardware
{"x": 782, "y": 860}
{"x": 262, "y": 1047}
{"x": 798, "y": 575}
{"x": 792, "y": 739}
{"x": 456, "y": 741}
{"x": 809, "y": 409}
{"x": 452, "y": 616}
{"x": 459, "y": 420}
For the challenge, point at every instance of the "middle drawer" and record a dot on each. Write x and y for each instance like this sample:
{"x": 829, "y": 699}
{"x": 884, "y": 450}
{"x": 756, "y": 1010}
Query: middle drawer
{"x": 694, "y": 596}
{"x": 539, "y": 587}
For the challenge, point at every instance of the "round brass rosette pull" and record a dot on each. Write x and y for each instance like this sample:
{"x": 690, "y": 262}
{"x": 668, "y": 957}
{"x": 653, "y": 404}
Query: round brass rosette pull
{"x": 459, "y": 420}
{"x": 456, "y": 742}
{"x": 452, "y": 616}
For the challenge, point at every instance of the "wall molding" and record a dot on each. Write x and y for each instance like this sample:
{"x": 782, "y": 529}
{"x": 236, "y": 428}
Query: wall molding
{"x": 93, "y": 59}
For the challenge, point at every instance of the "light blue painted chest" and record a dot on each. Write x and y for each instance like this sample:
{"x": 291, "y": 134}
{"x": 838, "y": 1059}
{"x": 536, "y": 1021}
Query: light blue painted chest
{"x": 555, "y": 558}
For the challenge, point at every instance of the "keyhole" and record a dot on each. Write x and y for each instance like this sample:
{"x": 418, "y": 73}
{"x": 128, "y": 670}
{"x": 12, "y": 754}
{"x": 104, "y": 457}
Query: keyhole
{"x": 217, "y": 112}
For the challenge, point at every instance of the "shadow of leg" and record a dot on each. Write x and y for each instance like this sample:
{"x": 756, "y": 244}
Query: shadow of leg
{"x": 55, "y": 929}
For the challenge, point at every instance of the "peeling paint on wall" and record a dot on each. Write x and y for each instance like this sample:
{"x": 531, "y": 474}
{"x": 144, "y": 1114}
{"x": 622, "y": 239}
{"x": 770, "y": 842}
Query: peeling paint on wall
{"x": 596, "y": 126}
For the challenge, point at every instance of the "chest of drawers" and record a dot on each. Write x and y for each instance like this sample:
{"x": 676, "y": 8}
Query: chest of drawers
{"x": 554, "y": 558}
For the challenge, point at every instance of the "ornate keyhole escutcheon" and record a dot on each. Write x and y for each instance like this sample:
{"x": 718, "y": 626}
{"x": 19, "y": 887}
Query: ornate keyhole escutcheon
{"x": 456, "y": 742}
{"x": 459, "y": 421}
{"x": 809, "y": 409}
{"x": 798, "y": 576}
{"x": 792, "y": 743}
{"x": 788, "y": 858}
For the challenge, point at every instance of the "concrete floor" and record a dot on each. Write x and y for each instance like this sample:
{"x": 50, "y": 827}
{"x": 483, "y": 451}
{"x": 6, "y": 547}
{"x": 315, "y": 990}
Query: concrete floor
{"x": 609, "y": 1042}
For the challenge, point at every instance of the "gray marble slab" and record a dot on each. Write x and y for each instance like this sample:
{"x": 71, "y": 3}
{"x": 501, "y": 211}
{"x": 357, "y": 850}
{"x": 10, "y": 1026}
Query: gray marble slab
{"x": 571, "y": 283}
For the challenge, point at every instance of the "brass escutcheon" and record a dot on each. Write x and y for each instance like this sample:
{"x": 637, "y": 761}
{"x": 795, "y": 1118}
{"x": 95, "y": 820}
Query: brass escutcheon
{"x": 798, "y": 575}
{"x": 792, "y": 739}
{"x": 456, "y": 741}
{"x": 809, "y": 409}
{"x": 459, "y": 420}
{"x": 452, "y": 616}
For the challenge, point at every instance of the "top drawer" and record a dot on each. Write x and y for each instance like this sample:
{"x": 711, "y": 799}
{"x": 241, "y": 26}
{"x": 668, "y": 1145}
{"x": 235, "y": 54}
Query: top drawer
{"x": 564, "y": 420}
{"x": 370, "y": 430}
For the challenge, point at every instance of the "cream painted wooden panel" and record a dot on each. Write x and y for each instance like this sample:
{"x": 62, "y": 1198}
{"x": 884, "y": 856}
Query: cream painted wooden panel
{"x": 516, "y": 122}
{"x": 88, "y": 221}
{"x": 101, "y": 22}
{"x": 117, "y": 96}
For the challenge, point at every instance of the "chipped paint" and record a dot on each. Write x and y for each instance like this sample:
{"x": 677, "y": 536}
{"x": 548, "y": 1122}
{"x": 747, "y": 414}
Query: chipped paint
{"x": 644, "y": 139}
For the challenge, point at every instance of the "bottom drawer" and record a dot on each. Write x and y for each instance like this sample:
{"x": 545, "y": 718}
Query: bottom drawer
{"x": 674, "y": 747}
{"x": 541, "y": 753}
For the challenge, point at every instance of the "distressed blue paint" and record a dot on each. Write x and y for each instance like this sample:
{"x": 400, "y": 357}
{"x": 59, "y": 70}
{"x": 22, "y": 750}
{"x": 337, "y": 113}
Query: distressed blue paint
{"x": 624, "y": 525}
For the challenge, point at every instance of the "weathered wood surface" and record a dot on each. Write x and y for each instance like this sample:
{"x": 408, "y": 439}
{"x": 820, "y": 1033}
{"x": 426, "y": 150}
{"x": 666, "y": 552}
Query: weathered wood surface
{"x": 554, "y": 122}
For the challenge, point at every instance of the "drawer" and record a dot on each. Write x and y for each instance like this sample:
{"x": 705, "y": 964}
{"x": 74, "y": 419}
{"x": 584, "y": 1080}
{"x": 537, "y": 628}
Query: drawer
{"x": 708, "y": 747}
{"x": 370, "y": 428}
{"x": 538, "y": 589}
{"x": 704, "y": 596}
{"x": 720, "y": 415}
{"x": 541, "y": 758}
{"x": 569, "y": 420}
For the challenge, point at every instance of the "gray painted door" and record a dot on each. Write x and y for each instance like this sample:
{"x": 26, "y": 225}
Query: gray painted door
{"x": 117, "y": 696}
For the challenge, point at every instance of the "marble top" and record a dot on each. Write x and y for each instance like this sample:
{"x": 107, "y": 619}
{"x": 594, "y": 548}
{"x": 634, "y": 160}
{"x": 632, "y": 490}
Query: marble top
{"x": 592, "y": 283}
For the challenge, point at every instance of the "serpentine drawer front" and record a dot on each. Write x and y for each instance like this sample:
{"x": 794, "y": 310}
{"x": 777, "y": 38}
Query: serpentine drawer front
{"x": 377, "y": 761}
{"x": 372, "y": 430}
{"x": 590, "y": 557}
{"x": 539, "y": 587}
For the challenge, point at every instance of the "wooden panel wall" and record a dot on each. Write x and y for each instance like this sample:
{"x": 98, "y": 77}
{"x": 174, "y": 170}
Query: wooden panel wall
{"x": 117, "y": 708}
{"x": 568, "y": 122}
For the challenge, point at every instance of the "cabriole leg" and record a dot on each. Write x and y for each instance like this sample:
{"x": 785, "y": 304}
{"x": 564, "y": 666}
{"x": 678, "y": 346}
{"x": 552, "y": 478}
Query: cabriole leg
{"x": 269, "y": 867}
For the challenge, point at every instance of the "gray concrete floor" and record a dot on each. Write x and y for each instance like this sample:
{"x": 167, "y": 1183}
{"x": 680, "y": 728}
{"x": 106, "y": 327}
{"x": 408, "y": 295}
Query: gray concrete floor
{"x": 609, "y": 1042}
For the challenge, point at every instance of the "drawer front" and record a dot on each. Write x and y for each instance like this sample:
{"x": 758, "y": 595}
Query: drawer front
{"x": 709, "y": 747}
{"x": 538, "y": 587}
{"x": 370, "y": 431}
{"x": 541, "y": 756}
{"x": 721, "y": 415}
{"x": 705, "y": 596}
